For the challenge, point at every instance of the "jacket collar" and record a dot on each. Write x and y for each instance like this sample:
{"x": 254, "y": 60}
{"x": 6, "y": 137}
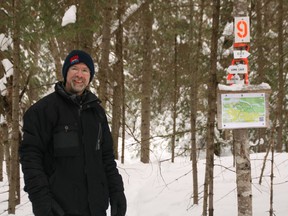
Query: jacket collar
{"x": 85, "y": 98}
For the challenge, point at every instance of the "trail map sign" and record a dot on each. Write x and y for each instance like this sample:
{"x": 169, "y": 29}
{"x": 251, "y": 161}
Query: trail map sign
{"x": 243, "y": 110}
{"x": 247, "y": 107}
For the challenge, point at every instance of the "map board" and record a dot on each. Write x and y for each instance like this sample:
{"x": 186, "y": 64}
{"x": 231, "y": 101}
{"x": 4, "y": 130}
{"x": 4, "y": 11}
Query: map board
{"x": 243, "y": 106}
{"x": 246, "y": 110}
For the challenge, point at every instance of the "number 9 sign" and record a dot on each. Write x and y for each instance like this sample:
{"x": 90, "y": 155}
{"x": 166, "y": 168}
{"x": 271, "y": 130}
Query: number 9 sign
{"x": 242, "y": 29}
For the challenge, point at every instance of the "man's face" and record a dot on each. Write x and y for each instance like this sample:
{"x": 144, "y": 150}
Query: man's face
{"x": 77, "y": 79}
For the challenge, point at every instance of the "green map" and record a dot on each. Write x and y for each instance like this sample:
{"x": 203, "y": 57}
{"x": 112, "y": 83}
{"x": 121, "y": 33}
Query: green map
{"x": 243, "y": 110}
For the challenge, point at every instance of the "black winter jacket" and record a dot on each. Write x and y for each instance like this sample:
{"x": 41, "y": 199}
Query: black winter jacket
{"x": 67, "y": 156}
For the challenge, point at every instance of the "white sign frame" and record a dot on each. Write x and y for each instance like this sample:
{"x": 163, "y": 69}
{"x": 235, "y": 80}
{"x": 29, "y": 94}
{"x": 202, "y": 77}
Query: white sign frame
{"x": 242, "y": 29}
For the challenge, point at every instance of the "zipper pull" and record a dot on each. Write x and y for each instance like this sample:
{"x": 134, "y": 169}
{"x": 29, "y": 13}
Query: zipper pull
{"x": 80, "y": 109}
{"x": 98, "y": 144}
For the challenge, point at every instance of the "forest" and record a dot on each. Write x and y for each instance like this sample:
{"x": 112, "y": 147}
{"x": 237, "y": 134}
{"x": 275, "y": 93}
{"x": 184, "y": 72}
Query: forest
{"x": 158, "y": 64}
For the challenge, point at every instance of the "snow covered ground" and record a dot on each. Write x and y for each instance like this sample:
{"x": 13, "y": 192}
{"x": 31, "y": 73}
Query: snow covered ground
{"x": 165, "y": 188}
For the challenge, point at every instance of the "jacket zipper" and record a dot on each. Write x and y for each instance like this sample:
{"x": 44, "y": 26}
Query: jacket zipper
{"x": 98, "y": 144}
{"x": 80, "y": 110}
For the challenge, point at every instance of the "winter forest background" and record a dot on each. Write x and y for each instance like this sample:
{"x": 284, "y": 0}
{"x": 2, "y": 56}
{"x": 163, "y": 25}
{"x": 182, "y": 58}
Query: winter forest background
{"x": 158, "y": 64}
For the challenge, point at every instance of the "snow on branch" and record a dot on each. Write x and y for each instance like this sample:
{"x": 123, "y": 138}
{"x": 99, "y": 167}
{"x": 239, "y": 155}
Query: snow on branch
{"x": 8, "y": 66}
{"x": 69, "y": 16}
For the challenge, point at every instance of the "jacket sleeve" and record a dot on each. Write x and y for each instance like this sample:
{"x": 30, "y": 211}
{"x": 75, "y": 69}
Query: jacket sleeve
{"x": 32, "y": 151}
{"x": 114, "y": 179}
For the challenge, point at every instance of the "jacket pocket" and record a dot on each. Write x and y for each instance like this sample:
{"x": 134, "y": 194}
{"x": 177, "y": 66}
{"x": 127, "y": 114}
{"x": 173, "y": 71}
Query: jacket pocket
{"x": 66, "y": 141}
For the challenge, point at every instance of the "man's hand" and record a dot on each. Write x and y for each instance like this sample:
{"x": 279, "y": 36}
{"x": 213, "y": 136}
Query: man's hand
{"x": 118, "y": 204}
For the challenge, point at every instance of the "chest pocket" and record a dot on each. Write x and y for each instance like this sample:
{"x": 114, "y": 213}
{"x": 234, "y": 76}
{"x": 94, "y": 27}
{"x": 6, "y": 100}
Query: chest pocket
{"x": 66, "y": 140}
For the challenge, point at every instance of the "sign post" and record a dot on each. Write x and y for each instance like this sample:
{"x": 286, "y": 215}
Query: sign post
{"x": 241, "y": 106}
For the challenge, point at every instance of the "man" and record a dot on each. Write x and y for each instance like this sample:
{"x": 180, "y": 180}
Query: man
{"x": 67, "y": 150}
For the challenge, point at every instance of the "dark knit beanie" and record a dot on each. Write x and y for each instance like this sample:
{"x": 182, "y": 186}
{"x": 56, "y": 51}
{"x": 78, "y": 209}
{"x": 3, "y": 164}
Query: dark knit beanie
{"x": 75, "y": 57}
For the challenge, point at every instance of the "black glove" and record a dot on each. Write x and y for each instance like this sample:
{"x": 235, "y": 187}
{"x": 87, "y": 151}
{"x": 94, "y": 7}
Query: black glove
{"x": 118, "y": 204}
{"x": 56, "y": 209}
{"x": 48, "y": 207}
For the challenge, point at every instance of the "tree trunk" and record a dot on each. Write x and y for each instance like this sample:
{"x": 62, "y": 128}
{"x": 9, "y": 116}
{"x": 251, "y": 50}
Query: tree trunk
{"x": 4, "y": 140}
{"x": 260, "y": 62}
{"x": 105, "y": 50}
{"x": 175, "y": 99}
{"x": 281, "y": 83}
{"x": 86, "y": 24}
{"x": 194, "y": 67}
{"x": 117, "y": 85}
{"x": 271, "y": 210}
{"x": 15, "y": 113}
{"x": 146, "y": 83}
{"x": 243, "y": 172}
{"x": 7, "y": 156}
{"x": 123, "y": 118}
{"x": 194, "y": 100}
{"x": 193, "y": 103}
{"x": 259, "y": 45}
{"x": 212, "y": 87}
{"x": 57, "y": 57}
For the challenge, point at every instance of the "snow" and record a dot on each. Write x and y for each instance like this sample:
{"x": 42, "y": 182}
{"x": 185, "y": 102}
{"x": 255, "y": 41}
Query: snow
{"x": 243, "y": 87}
{"x": 69, "y": 16}
{"x": 5, "y": 42}
{"x": 162, "y": 188}
{"x": 8, "y": 67}
{"x": 228, "y": 29}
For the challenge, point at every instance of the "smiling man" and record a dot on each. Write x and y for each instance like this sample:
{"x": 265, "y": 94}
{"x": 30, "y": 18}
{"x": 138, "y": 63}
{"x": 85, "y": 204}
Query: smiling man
{"x": 78, "y": 71}
{"x": 67, "y": 149}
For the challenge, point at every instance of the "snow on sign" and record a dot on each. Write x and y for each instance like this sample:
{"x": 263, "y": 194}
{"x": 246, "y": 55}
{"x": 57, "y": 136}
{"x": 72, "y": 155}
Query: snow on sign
{"x": 242, "y": 29}
{"x": 237, "y": 69}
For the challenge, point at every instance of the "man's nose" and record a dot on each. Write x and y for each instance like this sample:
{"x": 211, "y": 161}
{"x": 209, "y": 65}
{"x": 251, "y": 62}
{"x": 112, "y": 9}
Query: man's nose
{"x": 79, "y": 73}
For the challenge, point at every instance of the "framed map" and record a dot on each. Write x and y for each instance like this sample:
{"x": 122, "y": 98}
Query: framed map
{"x": 243, "y": 110}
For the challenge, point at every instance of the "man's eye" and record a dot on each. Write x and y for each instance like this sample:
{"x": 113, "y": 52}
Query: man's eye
{"x": 85, "y": 71}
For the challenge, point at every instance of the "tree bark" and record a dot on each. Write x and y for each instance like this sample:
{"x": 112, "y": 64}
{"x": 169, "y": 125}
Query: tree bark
{"x": 117, "y": 83}
{"x": 146, "y": 83}
{"x": 175, "y": 99}
{"x": 4, "y": 140}
{"x": 243, "y": 172}
{"x": 260, "y": 62}
{"x": 57, "y": 57}
{"x": 193, "y": 103}
{"x": 281, "y": 83}
{"x": 212, "y": 110}
{"x": 105, "y": 50}
{"x": 194, "y": 67}
{"x": 86, "y": 24}
{"x": 15, "y": 112}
